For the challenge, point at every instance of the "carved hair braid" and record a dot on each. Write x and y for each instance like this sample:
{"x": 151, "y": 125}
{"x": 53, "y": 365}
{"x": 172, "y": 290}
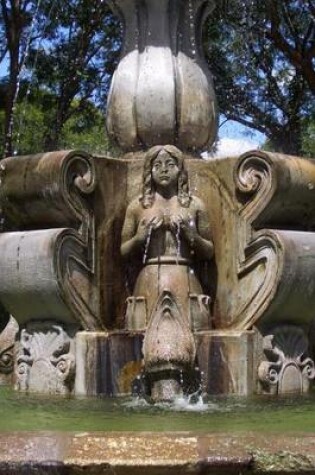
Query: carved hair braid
{"x": 148, "y": 192}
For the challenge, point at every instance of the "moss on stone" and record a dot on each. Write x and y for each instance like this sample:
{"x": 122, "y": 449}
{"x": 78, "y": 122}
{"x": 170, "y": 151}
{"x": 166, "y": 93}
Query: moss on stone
{"x": 282, "y": 461}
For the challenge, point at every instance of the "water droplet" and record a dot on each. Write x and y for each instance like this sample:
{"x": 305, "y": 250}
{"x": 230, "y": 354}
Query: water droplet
{"x": 147, "y": 244}
{"x": 178, "y": 246}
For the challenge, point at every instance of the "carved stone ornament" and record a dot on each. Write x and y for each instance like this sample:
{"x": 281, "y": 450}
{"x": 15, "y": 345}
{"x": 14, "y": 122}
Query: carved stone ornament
{"x": 288, "y": 369}
{"x": 49, "y": 271}
{"x": 7, "y": 340}
{"x": 45, "y": 360}
{"x": 162, "y": 92}
{"x": 169, "y": 350}
{"x": 168, "y": 342}
{"x": 264, "y": 240}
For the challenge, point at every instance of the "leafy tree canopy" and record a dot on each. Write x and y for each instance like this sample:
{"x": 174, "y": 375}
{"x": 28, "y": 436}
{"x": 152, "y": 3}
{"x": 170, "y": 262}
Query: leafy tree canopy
{"x": 261, "y": 53}
{"x": 68, "y": 48}
{"x": 262, "y": 57}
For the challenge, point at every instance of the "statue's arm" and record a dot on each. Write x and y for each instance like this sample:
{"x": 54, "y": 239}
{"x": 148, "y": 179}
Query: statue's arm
{"x": 197, "y": 231}
{"x": 134, "y": 231}
{"x": 202, "y": 243}
{"x": 130, "y": 242}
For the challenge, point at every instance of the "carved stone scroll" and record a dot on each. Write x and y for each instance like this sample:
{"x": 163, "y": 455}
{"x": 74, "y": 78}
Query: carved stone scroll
{"x": 162, "y": 92}
{"x": 49, "y": 273}
{"x": 275, "y": 267}
{"x": 288, "y": 368}
{"x": 49, "y": 190}
{"x": 276, "y": 190}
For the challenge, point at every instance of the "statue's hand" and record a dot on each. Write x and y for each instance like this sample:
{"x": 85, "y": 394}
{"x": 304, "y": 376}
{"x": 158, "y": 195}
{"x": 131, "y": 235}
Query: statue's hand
{"x": 146, "y": 226}
{"x": 186, "y": 225}
{"x": 189, "y": 228}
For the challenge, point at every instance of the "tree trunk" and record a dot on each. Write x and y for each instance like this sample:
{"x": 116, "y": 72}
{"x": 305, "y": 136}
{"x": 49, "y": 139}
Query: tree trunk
{"x": 52, "y": 138}
{"x": 289, "y": 139}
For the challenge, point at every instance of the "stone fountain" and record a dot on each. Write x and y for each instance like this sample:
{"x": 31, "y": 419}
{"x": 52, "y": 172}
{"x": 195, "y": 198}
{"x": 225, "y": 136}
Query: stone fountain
{"x": 158, "y": 269}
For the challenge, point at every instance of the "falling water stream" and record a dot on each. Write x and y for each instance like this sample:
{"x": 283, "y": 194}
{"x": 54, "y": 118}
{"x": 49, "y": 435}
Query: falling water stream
{"x": 147, "y": 244}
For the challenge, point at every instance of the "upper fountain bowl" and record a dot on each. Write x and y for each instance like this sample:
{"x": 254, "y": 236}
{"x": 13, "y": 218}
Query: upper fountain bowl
{"x": 162, "y": 91}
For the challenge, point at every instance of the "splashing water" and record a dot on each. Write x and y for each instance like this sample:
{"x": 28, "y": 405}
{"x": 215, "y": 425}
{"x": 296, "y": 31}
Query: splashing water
{"x": 192, "y": 403}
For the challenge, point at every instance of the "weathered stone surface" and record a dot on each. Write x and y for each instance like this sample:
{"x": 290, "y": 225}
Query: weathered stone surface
{"x": 288, "y": 368}
{"x": 62, "y": 233}
{"x": 107, "y": 363}
{"x": 168, "y": 349}
{"x": 7, "y": 341}
{"x": 45, "y": 359}
{"x": 161, "y": 91}
{"x": 179, "y": 453}
{"x": 168, "y": 340}
{"x": 166, "y": 230}
{"x": 260, "y": 274}
{"x": 228, "y": 361}
{"x": 49, "y": 272}
{"x": 276, "y": 239}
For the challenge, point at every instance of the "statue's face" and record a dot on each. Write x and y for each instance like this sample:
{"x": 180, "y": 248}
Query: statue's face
{"x": 165, "y": 170}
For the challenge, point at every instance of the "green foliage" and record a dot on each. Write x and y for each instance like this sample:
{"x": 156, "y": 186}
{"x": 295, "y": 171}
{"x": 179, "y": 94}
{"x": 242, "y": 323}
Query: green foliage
{"x": 308, "y": 142}
{"x": 262, "y": 58}
{"x": 84, "y": 130}
{"x": 29, "y": 128}
{"x": 69, "y": 47}
{"x": 261, "y": 54}
{"x": 77, "y": 61}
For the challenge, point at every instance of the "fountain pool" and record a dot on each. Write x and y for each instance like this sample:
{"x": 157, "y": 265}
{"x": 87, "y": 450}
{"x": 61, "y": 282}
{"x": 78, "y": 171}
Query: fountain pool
{"x": 263, "y": 414}
{"x": 158, "y": 263}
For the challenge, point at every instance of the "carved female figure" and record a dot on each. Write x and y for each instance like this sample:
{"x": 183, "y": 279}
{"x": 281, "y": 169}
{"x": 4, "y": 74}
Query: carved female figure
{"x": 169, "y": 229}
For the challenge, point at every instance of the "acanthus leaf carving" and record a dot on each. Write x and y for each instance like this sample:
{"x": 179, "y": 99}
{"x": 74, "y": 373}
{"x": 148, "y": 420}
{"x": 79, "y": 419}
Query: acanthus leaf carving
{"x": 45, "y": 360}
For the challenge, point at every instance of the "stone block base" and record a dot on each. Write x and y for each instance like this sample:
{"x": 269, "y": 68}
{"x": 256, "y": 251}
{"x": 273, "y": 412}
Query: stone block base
{"x": 228, "y": 361}
{"x": 101, "y": 453}
{"x": 107, "y": 363}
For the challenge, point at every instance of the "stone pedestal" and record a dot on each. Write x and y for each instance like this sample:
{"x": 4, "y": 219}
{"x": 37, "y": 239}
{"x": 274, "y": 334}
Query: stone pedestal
{"x": 60, "y": 248}
{"x": 107, "y": 363}
{"x": 228, "y": 361}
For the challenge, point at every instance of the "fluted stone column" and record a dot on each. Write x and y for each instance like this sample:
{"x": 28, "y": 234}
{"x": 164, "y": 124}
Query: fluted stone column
{"x": 162, "y": 91}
